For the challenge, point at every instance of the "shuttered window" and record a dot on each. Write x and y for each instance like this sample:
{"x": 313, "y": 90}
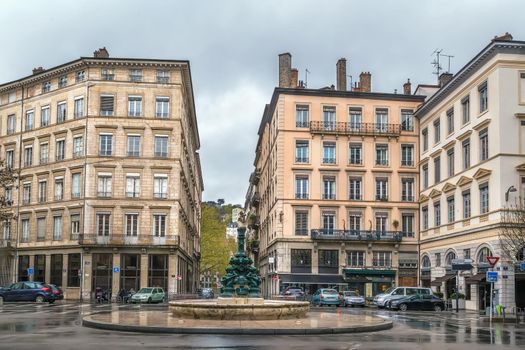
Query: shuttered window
{"x": 107, "y": 105}
{"x": 301, "y": 223}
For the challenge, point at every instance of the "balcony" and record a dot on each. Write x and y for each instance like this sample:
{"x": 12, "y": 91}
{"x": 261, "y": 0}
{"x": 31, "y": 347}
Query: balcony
{"x": 255, "y": 177}
{"x": 160, "y": 195}
{"x": 124, "y": 240}
{"x": 329, "y": 196}
{"x": 256, "y": 199}
{"x": 355, "y": 235}
{"x": 328, "y": 160}
{"x": 344, "y": 128}
{"x": 301, "y": 159}
{"x": 104, "y": 194}
{"x": 301, "y": 196}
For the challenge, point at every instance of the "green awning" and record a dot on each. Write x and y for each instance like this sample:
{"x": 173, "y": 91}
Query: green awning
{"x": 369, "y": 272}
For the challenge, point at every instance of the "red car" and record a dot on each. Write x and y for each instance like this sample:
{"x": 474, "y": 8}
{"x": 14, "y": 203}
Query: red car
{"x": 57, "y": 292}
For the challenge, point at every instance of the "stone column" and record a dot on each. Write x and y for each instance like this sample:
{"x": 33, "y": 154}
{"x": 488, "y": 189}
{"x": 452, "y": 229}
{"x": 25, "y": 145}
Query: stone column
{"x": 144, "y": 260}
{"x": 32, "y": 265}
{"x": 87, "y": 271}
{"x": 172, "y": 274}
{"x": 47, "y": 274}
{"x": 65, "y": 260}
{"x": 116, "y": 276}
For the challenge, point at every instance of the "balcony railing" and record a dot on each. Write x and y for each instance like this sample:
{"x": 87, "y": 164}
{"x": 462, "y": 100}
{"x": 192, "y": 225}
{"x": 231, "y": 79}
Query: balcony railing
{"x": 132, "y": 194}
{"x": 161, "y": 115}
{"x": 328, "y": 160}
{"x": 160, "y": 195}
{"x": 301, "y": 196}
{"x": 104, "y": 194}
{"x": 120, "y": 239}
{"x": 301, "y": 159}
{"x": 355, "y": 235}
{"x": 354, "y": 128}
{"x": 6, "y": 243}
{"x": 301, "y": 124}
{"x": 328, "y": 195}
{"x": 407, "y": 198}
{"x": 163, "y": 80}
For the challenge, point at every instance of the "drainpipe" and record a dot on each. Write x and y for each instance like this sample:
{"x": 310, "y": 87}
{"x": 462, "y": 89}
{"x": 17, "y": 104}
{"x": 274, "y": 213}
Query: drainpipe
{"x": 20, "y": 148}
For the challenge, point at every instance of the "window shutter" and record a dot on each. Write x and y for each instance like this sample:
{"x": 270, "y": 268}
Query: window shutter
{"x": 106, "y": 103}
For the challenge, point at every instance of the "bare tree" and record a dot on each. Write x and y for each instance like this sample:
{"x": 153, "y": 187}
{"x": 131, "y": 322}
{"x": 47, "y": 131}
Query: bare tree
{"x": 512, "y": 232}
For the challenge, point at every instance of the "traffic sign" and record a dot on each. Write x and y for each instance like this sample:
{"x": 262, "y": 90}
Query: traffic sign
{"x": 493, "y": 260}
{"x": 30, "y": 271}
{"x": 116, "y": 269}
{"x": 492, "y": 276}
{"x": 522, "y": 265}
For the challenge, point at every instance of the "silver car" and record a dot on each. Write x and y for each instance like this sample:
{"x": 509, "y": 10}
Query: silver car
{"x": 351, "y": 298}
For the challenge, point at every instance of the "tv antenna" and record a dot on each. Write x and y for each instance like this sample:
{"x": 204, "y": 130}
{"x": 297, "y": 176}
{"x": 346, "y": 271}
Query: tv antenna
{"x": 306, "y": 71}
{"x": 437, "y": 62}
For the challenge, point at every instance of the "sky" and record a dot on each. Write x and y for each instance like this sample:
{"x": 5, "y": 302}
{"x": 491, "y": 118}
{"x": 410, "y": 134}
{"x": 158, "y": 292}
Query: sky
{"x": 233, "y": 45}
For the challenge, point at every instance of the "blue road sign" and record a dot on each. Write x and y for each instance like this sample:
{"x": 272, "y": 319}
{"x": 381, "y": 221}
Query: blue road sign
{"x": 492, "y": 276}
{"x": 116, "y": 269}
{"x": 522, "y": 266}
{"x": 30, "y": 271}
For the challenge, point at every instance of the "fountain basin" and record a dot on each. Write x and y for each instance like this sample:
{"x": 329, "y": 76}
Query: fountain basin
{"x": 239, "y": 309}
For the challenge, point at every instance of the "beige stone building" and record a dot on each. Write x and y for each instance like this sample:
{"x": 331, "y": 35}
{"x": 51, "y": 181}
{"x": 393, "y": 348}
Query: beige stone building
{"x": 333, "y": 200}
{"x": 472, "y": 167}
{"x": 109, "y": 180}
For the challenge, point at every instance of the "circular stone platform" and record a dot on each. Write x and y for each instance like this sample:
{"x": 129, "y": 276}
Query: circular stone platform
{"x": 157, "y": 321}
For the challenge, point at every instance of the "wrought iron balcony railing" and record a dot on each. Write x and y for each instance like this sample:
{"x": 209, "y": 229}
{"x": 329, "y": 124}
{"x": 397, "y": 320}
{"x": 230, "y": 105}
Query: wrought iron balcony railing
{"x": 355, "y": 128}
{"x": 355, "y": 235}
{"x": 120, "y": 239}
{"x": 301, "y": 196}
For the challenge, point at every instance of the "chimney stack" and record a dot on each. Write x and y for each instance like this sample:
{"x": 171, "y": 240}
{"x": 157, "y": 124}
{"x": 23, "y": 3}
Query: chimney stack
{"x": 285, "y": 70}
{"x": 294, "y": 78}
{"x": 341, "y": 74}
{"x": 101, "y": 53}
{"x": 444, "y": 78}
{"x": 38, "y": 70}
{"x": 365, "y": 82}
{"x": 407, "y": 88}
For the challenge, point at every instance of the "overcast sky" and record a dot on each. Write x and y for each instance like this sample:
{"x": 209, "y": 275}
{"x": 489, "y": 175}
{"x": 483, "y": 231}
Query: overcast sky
{"x": 233, "y": 48}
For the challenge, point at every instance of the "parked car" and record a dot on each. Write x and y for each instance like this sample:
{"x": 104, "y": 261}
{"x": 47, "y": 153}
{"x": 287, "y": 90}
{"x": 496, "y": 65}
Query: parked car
{"x": 206, "y": 293}
{"x": 293, "y": 292}
{"x": 27, "y": 291}
{"x": 327, "y": 296}
{"x": 351, "y": 298}
{"x": 383, "y": 299}
{"x": 57, "y": 292}
{"x": 418, "y": 302}
{"x": 148, "y": 295}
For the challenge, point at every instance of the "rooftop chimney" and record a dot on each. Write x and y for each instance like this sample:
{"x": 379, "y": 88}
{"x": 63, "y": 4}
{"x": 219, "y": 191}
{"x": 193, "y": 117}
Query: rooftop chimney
{"x": 38, "y": 70}
{"x": 341, "y": 74}
{"x": 101, "y": 53}
{"x": 407, "y": 88}
{"x": 285, "y": 70}
{"x": 365, "y": 82}
{"x": 294, "y": 77}
{"x": 505, "y": 37}
{"x": 444, "y": 78}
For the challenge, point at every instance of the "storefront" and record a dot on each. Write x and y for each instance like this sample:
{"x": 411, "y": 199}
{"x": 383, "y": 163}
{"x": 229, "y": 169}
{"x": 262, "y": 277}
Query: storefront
{"x": 370, "y": 282}
{"x": 450, "y": 284}
{"x": 130, "y": 271}
{"x": 311, "y": 283}
{"x": 102, "y": 271}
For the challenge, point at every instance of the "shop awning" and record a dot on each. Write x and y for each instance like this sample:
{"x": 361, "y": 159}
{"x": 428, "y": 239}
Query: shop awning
{"x": 357, "y": 279}
{"x": 311, "y": 279}
{"x": 437, "y": 282}
{"x": 475, "y": 279}
{"x": 369, "y": 272}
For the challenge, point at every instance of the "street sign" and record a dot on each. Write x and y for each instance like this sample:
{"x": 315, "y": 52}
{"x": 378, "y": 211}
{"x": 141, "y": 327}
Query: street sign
{"x": 522, "y": 265}
{"x": 493, "y": 260}
{"x": 116, "y": 269}
{"x": 30, "y": 271}
{"x": 492, "y": 276}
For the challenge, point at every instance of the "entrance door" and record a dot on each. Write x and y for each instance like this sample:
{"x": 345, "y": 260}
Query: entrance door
{"x": 102, "y": 271}
{"x": 484, "y": 295}
{"x": 130, "y": 272}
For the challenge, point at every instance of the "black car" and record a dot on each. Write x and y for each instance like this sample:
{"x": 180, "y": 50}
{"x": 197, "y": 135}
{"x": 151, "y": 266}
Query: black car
{"x": 418, "y": 302}
{"x": 28, "y": 291}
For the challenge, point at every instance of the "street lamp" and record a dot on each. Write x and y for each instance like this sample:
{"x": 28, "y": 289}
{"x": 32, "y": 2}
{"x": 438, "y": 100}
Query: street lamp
{"x": 510, "y": 189}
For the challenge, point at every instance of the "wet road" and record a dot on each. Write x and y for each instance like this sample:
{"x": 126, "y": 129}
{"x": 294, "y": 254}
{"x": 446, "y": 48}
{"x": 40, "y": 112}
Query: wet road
{"x": 57, "y": 326}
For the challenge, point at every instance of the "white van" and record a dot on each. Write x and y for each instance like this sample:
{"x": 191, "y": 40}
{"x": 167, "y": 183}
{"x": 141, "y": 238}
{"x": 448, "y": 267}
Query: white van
{"x": 393, "y": 293}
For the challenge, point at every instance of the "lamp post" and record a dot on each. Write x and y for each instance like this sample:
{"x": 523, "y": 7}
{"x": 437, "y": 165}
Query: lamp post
{"x": 509, "y": 190}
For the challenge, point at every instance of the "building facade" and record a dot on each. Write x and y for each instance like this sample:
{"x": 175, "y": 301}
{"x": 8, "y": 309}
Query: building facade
{"x": 333, "y": 200}
{"x": 109, "y": 180}
{"x": 472, "y": 166}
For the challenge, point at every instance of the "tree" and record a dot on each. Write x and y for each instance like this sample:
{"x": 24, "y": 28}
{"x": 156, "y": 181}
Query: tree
{"x": 512, "y": 232}
{"x": 7, "y": 178}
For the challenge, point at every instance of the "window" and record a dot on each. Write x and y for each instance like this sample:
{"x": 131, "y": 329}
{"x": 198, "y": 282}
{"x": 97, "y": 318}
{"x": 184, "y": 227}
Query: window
{"x": 162, "y": 107}
{"x": 328, "y": 118}
{"x": 407, "y": 225}
{"x": 355, "y": 188}
{"x": 75, "y": 185}
{"x": 73, "y": 269}
{"x": 328, "y": 261}
{"x": 104, "y": 185}
{"x": 450, "y": 162}
{"x": 42, "y": 191}
{"x": 328, "y": 153}
{"x": 57, "y": 265}
{"x": 8, "y": 195}
{"x": 134, "y": 106}
{"x": 483, "y": 97}
{"x": 356, "y": 118}
{"x": 79, "y": 107}
{"x": 161, "y": 146}
{"x": 132, "y": 185}
{"x": 75, "y": 226}
{"x": 159, "y": 225}
{"x": 354, "y": 223}
{"x": 302, "y": 118}
{"x": 424, "y": 218}
{"x": 301, "y": 152}
{"x": 382, "y": 154}
{"x": 59, "y": 189}
{"x": 465, "y": 110}
{"x": 44, "y": 116}
{"x": 466, "y": 253}
{"x": 482, "y": 255}
{"x": 79, "y": 76}
{"x": 62, "y": 81}
{"x": 57, "y": 228}
{"x": 27, "y": 193}
{"x": 466, "y": 153}
{"x": 132, "y": 227}
{"x": 135, "y": 75}
{"x": 44, "y": 153}
{"x": 78, "y": 146}
{"x": 25, "y": 230}
{"x": 450, "y": 121}
{"x": 382, "y": 259}
{"x": 483, "y": 144}
{"x": 407, "y": 120}
{"x": 450, "y": 209}
{"x": 103, "y": 224}
{"x": 301, "y": 187}
{"x": 437, "y": 130}
{"x": 301, "y": 222}
{"x": 438, "y": 259}
{"x": 30, "y": 119}
{"x": 160, "y": 187}
{"x": 328, "y": 187}
{"x": 301, "y": 260}
{"x": 10, "y": 124}
{"x": 449, "y": 257}
{"x": 466, "y": 204}
{"x": 28, "y": 156}
{"x": 407, "y": 189}
{"x": 163, "y": 76}
{"x": 107, "y": 105}
{"x": 107, "y": 74}
{"x": 355, "y": 258}
{"x": 484, "y": 198}
{"x": 381, "y": 189}
{"x": 356, "y": 154}
{"x": 46, "y": 87}
{"x": 437, "y": 170}
{"x": 407, "y": 155}
{"x": 9, "y": 159}
{"x": 41, "y": 229}
{"x": 133, "y": 145}
{"x": 382, "y": 120}
{"x": 328, "y": 220}
{"x": 437, "y": 214}
{"x": 60, "y": 150}
{"x": 381, "y": 222}
{"x": 105, "y": 145}
{"x": 61, "y": 112}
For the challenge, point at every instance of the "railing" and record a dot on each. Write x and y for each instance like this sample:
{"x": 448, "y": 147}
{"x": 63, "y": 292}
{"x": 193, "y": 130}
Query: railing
{"x": 161, "y": 154}
{"x": 301, "y": 232}
{"x": 301, "y": 159}
{"x": 161, "y": 115}
{"x": 104, "y": 194}
{"x": 78, "y": 154}
{"x": 6, "y": 242}
{"x": 107, "y": 76}
{"x": 301, "y": 196}
{"x": 301, "y": 124}
{"x": 135, "y": 78}
{"x": 133, "y": 154}
{"x": 134, "y": 113}
{"x": 163, "y": 80}
{"x": 382, "y": 198}
{"x": 58, "y": 197}
{"x": 328, "y": 195}
{"x": 132, "y": 194}
{"x": 328, "y": 160}
{"x": 407, "y": 198}
{"x": 355, "y": 128}
{"x": 10, "y": 131}
{"x": 160, "y": 195}
{"x": 120, "y": 239}
{"x": 78, "y": 115}
{"x": 105, "y": 153}
{"x": 356, "y": 235}
{"x": 256, "y": 199}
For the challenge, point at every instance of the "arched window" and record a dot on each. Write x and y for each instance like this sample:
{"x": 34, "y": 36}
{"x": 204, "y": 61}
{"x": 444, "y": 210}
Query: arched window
{"x": 425, "y": 262}
{"x": 448, "y": 259}
{"x": 482, "y": 255}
